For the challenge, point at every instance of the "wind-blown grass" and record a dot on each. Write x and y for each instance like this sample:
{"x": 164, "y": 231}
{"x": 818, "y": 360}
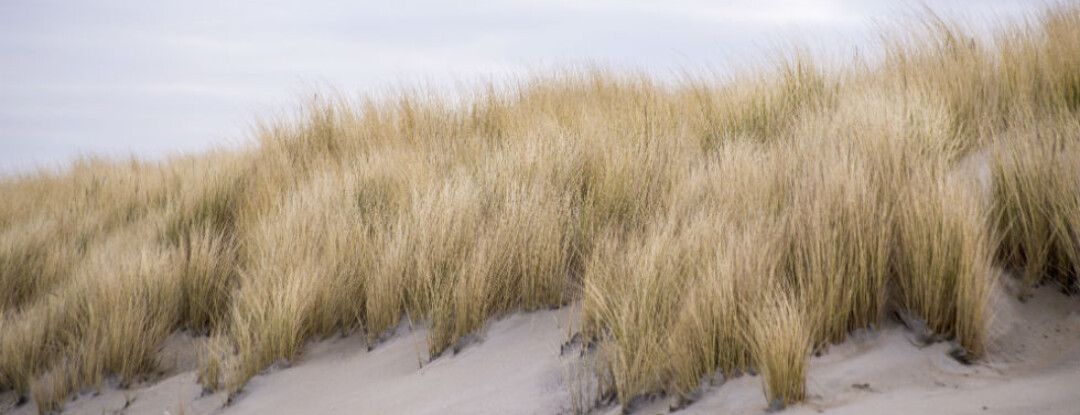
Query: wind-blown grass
{"x": 732, "y": 225}
{"x": 1036, "y": 199}
{"x": 943, "y": 255}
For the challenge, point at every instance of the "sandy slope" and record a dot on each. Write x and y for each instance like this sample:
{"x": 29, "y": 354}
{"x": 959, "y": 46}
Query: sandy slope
{"x": 1033, "y": 368}
{"x": 515, "y": 370}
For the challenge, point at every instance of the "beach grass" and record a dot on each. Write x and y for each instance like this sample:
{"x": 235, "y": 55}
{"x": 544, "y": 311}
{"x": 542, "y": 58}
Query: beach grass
{"x": 711, "y": 224}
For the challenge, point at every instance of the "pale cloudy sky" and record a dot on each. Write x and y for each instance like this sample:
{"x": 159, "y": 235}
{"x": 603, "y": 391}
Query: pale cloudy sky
{"x": 152, "y": 78}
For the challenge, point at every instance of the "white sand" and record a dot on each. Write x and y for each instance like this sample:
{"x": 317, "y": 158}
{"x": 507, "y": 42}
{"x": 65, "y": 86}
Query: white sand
{"x": 515, "y": 370}
{"x": 1033, "y": 367}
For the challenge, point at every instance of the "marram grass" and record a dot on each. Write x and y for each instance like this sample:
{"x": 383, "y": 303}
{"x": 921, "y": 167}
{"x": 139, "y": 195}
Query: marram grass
{"x": 707, "y": 225}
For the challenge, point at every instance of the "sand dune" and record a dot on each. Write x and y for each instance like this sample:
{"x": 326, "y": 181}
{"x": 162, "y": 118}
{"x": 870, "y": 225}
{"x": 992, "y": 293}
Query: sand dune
{"x": 1033, "y": 367}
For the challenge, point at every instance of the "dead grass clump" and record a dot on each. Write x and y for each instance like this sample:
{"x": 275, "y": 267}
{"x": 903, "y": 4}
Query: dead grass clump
{"x": 1037, "y": 202}
{"x": 303, "y": 277}
{"x": 728, "y": 209}
{"x": 127, "y": 319}
{"x": 710, "y": 332}
{"x": 624, "y": 308}
{"x": 267, "y": 326}
{"x": 781, "y": 342}
{"x": 762, "y": 107}
{"x": 943, "y": 268}
{"x": 437, "y": 237}
{"x": 32, "y": 340}
{"x": 520, "y": 261}
{"x": 32, "y": 262}
{"x": 839, "y": 238}
{"x": 208, "y": 275}
{"x": 99, "y": 325}
{"x": 205, "y": 194}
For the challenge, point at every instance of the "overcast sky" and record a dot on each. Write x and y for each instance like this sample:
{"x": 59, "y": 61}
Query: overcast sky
{"x": 152, "y": 78}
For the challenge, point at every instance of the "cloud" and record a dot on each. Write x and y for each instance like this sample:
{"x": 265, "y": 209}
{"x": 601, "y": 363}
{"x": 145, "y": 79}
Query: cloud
{"x": 118, "y": 76}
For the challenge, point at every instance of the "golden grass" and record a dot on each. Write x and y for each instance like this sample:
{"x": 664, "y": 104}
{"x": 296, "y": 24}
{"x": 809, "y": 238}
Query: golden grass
{"x": 781, "y": 342}
{"x": 704, "y": 225}
{"x": 943, "y": 253}
{"x": 838, "y": 235}
{"x": 1035, "y": 174}
{"x": 710, "y": 329}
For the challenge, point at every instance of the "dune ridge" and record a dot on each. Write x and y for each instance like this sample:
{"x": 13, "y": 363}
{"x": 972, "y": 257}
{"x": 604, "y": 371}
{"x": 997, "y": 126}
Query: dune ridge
{"x": 706, "y": 228}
